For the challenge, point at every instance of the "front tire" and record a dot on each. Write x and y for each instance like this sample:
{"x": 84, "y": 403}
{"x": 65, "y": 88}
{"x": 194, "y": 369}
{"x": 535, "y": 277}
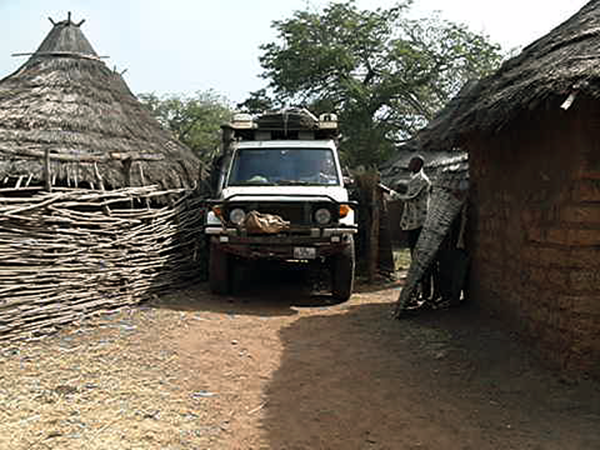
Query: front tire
{"x": 342, "y": 272}
{"x": 218, "y": 270}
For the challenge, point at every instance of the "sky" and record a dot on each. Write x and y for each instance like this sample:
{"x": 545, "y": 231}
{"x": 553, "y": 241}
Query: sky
{"x": 184, "y": 46}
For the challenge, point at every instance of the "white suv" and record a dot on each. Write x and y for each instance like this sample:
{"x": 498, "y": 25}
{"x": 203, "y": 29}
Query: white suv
{"x": 298, "y": 182}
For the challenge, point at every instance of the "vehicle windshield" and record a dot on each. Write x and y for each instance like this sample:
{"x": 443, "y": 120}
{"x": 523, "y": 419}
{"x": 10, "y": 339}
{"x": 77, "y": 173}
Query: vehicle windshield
{"x": 284, "y": 167}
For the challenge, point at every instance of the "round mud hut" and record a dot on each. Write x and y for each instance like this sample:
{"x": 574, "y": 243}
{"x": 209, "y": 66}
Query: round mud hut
{"x": 98, "y": 203}
{"x": 531, "y": 132}
{"x": 66, "y": 105}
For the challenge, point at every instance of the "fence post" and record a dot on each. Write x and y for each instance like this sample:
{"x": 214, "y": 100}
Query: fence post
{"x": 47, "y": 171}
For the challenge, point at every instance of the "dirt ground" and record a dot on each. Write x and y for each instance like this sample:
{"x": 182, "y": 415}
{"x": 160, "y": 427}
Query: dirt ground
{"x": 281, "y": 368}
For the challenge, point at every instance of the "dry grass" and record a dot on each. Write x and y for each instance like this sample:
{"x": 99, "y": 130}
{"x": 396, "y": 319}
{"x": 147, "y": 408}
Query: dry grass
{"x": 94, "y": 387}
{"x": 402, "y": 259}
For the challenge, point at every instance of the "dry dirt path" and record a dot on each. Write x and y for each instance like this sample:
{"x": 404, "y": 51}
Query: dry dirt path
{"x": 283, "y": 369}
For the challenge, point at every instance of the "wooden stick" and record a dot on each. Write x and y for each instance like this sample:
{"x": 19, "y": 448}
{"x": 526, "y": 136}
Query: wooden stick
{"x": 115, "y": 156}
{"x": 47, "y": 173}
{"x": 62, "y": 258}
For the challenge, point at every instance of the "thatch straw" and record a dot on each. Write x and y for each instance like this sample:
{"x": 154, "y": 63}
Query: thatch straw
{"x": 65, "y": 99}
{"x": 439, "y": 134}
{"x": 544, "y": 74}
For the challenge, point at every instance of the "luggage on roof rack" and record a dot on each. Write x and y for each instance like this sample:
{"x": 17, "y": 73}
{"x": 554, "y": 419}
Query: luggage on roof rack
{"x": 287, "y": 124}
{"x": 288, "y": 119}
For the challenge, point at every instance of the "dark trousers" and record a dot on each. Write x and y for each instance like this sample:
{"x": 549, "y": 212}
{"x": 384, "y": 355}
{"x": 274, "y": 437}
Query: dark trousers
{"x": 413, "y": 237}
{"x": 430, "y": 277}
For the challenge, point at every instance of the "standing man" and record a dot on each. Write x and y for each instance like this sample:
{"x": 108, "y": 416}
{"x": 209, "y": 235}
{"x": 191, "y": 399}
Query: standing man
{"x": 416, "y": 204}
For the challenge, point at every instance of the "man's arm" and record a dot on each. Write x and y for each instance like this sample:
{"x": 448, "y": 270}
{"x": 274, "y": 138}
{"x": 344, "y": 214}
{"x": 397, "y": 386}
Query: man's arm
{"x": 386, "y": 189}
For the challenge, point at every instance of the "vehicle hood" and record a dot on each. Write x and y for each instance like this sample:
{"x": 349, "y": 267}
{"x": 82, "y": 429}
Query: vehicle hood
{"x": 285, "y": 193}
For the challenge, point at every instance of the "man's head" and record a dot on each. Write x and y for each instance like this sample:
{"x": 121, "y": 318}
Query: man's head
{"x": 416, "y": 163}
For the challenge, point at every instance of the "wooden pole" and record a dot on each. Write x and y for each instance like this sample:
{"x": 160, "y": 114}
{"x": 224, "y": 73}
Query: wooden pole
{"x": 47, "y": 171}
{"x": 105, "y": 207}
{"x": 98, "y": 177}
{"x": 374, "y": 230}
{"x": 386, "y": 254}
{"x": 127, "y": 171}
{"x": 143, "y": 182}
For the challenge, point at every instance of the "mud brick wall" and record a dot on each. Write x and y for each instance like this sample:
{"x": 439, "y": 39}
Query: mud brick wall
{"x": 536, "y": 231}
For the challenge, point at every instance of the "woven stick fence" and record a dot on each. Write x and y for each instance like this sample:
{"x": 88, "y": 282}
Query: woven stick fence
{"x": 71, "y": 253}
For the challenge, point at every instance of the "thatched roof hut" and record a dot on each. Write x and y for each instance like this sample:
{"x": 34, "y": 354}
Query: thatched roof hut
{"x": 65, "y": 100}
{"x": 100, "y": 236}
{"x": 531, "y": 131}
{"x": 563, "y": 62}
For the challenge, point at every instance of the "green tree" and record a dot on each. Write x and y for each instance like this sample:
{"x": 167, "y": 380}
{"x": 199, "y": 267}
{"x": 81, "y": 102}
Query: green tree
{"x": 385, "y": 74}
{"x": 194, "y": 119}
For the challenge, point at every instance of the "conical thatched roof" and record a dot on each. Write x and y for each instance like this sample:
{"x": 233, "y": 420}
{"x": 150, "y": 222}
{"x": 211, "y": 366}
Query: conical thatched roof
{"x": 66, "y": 100}
{"x": 549, "y": 70}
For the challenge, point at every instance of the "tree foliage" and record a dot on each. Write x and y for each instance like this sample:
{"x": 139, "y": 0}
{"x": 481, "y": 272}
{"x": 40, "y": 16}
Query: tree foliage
{"x": 384, "y": 73}
{"x": 194, "y": 119}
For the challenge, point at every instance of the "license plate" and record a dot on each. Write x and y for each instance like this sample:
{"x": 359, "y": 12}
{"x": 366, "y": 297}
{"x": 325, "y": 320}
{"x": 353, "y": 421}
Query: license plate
{"x": 305, "y": 253}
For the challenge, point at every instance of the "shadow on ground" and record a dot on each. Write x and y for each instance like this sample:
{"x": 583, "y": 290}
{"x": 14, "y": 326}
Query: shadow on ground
{"x": 442, "y": 380}
{"x": 263, "y": 291}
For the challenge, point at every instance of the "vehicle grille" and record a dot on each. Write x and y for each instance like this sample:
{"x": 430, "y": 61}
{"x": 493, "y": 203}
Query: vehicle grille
{"x": 297, "y": 213}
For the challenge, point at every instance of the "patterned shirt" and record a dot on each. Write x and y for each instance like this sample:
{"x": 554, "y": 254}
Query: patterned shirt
{"x": 416, "y": 201}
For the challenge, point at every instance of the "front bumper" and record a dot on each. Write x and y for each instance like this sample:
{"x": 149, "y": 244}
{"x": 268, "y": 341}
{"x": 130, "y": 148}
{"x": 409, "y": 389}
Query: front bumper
{"x": 299, "y": 233}
{"x": 325, "y": 242}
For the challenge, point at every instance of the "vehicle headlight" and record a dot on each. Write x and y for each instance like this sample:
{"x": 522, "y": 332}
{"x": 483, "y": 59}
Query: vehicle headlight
{"x": 237, "y": 216}
{"x": 322, "y": 216}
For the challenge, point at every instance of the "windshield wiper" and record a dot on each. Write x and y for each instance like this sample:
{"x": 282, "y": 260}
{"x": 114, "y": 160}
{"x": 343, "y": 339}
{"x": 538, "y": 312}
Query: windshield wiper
{"x": 254, "y": 183}
{"x": 293, "y": 183}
